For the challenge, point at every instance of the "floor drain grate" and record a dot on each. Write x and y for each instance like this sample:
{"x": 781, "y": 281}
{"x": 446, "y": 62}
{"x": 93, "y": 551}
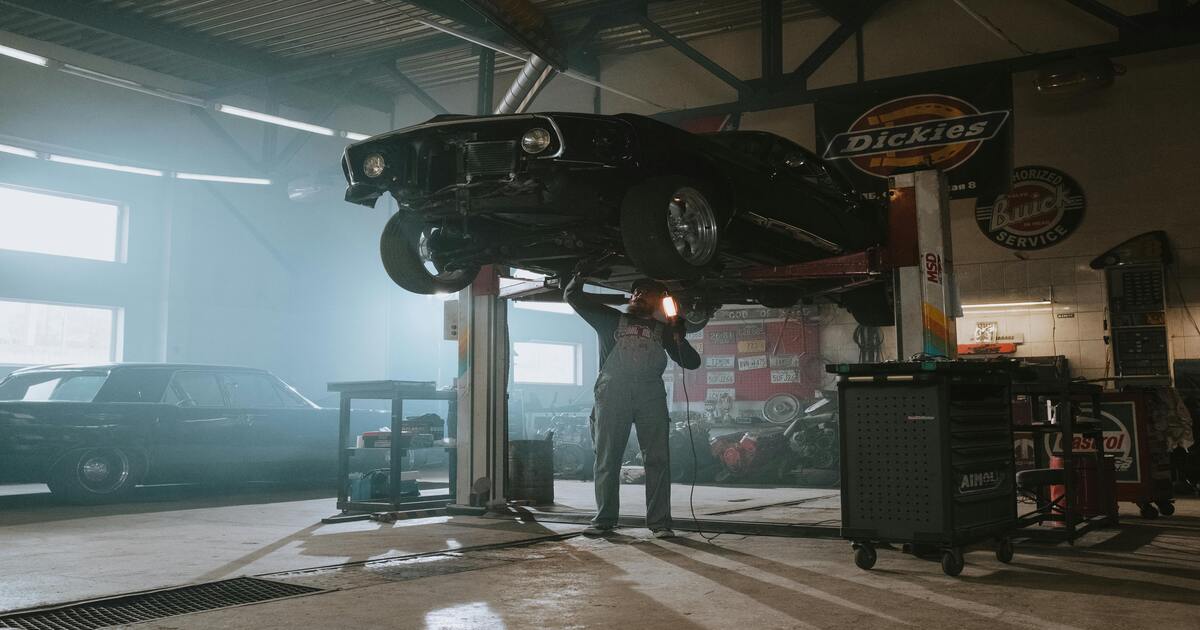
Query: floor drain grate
{"x": 124, "y": 609}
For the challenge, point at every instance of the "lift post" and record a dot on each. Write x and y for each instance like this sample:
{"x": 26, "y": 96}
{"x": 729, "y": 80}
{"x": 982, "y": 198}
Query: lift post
{"x": 926, "y": 297}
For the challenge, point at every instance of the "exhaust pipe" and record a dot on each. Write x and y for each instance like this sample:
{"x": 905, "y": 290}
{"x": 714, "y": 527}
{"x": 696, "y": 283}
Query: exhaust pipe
{"x": 534, "y": 76}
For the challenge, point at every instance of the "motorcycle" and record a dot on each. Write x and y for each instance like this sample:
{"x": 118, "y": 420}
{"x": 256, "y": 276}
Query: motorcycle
{"x": 780, "y": 454}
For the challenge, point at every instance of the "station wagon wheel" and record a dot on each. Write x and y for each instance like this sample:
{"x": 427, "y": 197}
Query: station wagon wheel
{"x": 406, "y": 248}
{"x": 97, "y": 475}
{"x": 671, "y": 227}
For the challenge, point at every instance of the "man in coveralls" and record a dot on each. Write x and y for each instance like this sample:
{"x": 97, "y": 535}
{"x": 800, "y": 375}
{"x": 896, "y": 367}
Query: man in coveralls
{"x": 629, "y": 391}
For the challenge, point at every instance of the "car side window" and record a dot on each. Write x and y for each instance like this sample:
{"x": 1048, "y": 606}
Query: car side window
{"x": 255, "y": 391}
{"x": 194, "y": 389}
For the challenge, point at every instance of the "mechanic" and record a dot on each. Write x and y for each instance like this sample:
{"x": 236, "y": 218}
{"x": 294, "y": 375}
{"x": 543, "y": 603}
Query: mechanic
{"x": 629, "y": 391}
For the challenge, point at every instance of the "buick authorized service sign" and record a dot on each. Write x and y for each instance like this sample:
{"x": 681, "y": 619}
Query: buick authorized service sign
{"x": 961, "y": 128}
{"x": 1043, "y": 207}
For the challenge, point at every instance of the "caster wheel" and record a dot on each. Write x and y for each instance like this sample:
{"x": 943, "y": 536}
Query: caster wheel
{"x": 1004, "y": 551}
{"x": 1148, "y": 511}
{"x": 864, "y": 557}
{"x": 952, "y": 562}
{"x": 1167, "y": 508}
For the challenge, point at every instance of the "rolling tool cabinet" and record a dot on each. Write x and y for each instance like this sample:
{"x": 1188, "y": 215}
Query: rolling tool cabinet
{"x": 927, "y": 457}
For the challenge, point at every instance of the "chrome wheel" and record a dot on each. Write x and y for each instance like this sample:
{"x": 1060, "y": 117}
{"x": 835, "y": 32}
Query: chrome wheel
{"x": 102, "y": 471}
{"x": 425, "y": 253}
{"x": 692, "y": 226}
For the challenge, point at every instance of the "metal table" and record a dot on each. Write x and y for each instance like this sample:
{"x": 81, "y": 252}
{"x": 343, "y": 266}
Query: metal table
{"x": 397, "y": 392}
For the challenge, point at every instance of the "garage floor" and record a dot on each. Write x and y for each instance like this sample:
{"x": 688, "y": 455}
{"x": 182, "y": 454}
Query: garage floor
{"x": 1144, "y": 574}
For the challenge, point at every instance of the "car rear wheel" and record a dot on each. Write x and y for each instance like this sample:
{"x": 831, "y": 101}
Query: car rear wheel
{"x": 671, "y": 227}
{"x": 97, "y": 475}
{"x": 406, "y": 248}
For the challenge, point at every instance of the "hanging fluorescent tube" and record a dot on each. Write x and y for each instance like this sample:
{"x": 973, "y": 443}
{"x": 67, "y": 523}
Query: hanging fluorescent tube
{"x": 350, "y": 135}
{"x": 274, "y": 120}
{"x": 24, "y": 56}
{"x": 63, "y": 159}
{"x": 23, "y": 152}
{"x": 229, "y": 179}
{"x": 1007, "y": 304}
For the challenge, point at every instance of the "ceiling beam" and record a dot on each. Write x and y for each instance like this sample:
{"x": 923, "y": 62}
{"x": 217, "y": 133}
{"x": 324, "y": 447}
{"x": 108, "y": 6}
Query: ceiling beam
{"x": 693, "y": 54}
{"x": 794, "y": 92}
{"x": 1108, "y": 14}
{"x": 527, "y": 25}
{"x": 772, "y": 39}
{"x": 850, "y": 26}
{"x": 412, "y": 88}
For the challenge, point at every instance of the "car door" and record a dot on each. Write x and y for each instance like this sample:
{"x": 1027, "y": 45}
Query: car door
{"x": 286, "y": 440}
{"x": 806, "y": 194}
{"x": 198, "y": 437}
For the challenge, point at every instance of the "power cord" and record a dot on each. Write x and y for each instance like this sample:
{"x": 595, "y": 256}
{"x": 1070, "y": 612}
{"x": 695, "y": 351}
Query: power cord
{"x": 695, "y": 460}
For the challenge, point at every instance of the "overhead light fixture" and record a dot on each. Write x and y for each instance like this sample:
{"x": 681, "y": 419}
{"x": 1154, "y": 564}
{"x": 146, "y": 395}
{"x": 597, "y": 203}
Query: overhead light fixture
{"x": 274, "y": 120}
{"x": 229, "y": 179}
{"x": 21, "y": 151}
{"x": 1008, "y": 304}
{"x": 108, "y": 166}
{"x": 24, "y": 56}
{"x": 350, "y": 135}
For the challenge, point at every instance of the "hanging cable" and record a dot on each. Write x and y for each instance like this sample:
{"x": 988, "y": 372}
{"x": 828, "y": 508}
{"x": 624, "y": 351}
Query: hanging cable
{"x": 995, "y": 30}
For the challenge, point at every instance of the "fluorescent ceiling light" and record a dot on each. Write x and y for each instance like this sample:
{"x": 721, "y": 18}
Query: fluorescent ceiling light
{"x": 63, "y": 159}
{"x": 24, "y": 56}
{"x": 229, "y": 179}
{"x": 1004, "y": 304}
{"x": 23, "y": 152}
{"x": 356, "y": 136}
{"x": 274, "y": 120}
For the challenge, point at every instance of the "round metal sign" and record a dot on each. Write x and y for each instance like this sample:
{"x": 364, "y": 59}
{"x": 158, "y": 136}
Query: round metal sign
{"x": 1044, "y": 207}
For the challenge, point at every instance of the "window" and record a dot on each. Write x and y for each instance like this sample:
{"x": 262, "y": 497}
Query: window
{"x": 60, "y": 225}
{"x": 195, "y": 389}
{"x": 33, "y": 333}
{"x": 70, "y": 386}
{"x": 254, "y": 391}
{"x": 546, "y": 363}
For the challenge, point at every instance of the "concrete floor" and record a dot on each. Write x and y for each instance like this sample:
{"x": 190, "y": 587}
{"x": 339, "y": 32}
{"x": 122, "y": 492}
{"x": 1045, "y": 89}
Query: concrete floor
{"x": 1144, "y": 574}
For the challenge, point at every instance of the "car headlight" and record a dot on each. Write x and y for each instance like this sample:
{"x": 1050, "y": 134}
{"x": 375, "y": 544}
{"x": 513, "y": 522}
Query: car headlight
{"x": 373, "y": 165}
{"x": 535, "y": 140}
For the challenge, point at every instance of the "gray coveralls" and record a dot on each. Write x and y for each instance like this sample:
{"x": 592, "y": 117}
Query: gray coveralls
{"x": 629, "y": 392}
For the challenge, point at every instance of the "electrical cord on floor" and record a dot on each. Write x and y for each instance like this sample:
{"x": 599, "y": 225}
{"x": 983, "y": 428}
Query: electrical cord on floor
{"x": 687, "y": 401}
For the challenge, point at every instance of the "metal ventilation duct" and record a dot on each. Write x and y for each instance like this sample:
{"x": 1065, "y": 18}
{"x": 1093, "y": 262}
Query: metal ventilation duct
{"x": 534, "y": 76}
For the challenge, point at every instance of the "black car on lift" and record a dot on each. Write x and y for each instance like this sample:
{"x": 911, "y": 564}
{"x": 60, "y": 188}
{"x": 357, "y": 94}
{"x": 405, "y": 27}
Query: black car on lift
{"x": 620, "y": 196}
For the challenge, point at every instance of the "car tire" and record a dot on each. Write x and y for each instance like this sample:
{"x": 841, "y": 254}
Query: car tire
{"x": 400, "y": 248}
{"x": 97, "y": 475}
{"x": 671, "y": 227}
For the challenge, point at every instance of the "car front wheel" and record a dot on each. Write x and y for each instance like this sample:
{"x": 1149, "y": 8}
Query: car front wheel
{"x": 670, "y": 227}
{"x": 407, "y": 250}
{"x": 97, "y": 475}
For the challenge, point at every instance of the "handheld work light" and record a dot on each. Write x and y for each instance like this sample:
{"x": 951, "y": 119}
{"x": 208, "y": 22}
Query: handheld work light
{"x": 669, "y": 307}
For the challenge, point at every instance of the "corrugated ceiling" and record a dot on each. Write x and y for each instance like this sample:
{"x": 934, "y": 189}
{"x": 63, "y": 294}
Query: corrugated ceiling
{"x": 288, "y": 35}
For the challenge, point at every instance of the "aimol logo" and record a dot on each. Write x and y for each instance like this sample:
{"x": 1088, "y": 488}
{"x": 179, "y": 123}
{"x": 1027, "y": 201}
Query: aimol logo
{"x": 979, "y": 481}
{"x": 935, "y": 129}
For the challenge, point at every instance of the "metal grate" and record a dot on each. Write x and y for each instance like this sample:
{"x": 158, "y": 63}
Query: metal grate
{"x": 125, "y": 609}
{"x": 491, "y": 158}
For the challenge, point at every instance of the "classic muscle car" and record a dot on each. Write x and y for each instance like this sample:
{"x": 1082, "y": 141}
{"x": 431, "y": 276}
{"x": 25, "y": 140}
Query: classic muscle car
{"x": 617, "y": 196}
{"x": 93, "y": 432}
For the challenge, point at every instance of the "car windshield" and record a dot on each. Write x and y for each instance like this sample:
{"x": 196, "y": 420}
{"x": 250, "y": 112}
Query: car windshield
{"x": 77, "y": 386}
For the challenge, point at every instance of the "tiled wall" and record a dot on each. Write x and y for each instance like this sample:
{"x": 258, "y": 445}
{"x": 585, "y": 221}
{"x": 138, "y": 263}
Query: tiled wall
{"x": 1074, "y": 325}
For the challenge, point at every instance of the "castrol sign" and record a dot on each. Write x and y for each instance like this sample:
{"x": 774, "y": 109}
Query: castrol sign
{"x": 1118, "y": 421}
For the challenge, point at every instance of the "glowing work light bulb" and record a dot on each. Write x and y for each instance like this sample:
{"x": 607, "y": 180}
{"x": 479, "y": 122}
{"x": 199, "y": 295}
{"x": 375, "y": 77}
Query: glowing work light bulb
{"x": 669, "y": 307}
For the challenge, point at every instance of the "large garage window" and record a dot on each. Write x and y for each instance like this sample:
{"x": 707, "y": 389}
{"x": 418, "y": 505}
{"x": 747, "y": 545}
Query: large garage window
{"x": 539, "y": 362}
{"x": 34, "y": 333}
{"x": 60, "y": 225}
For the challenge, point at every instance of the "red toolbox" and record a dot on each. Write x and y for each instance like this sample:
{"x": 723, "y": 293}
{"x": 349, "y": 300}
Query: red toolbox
{"x": 1137, "y": 439}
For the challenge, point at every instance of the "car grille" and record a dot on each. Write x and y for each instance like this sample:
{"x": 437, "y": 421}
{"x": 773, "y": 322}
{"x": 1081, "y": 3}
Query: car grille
{"x": 491, "y": 158}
